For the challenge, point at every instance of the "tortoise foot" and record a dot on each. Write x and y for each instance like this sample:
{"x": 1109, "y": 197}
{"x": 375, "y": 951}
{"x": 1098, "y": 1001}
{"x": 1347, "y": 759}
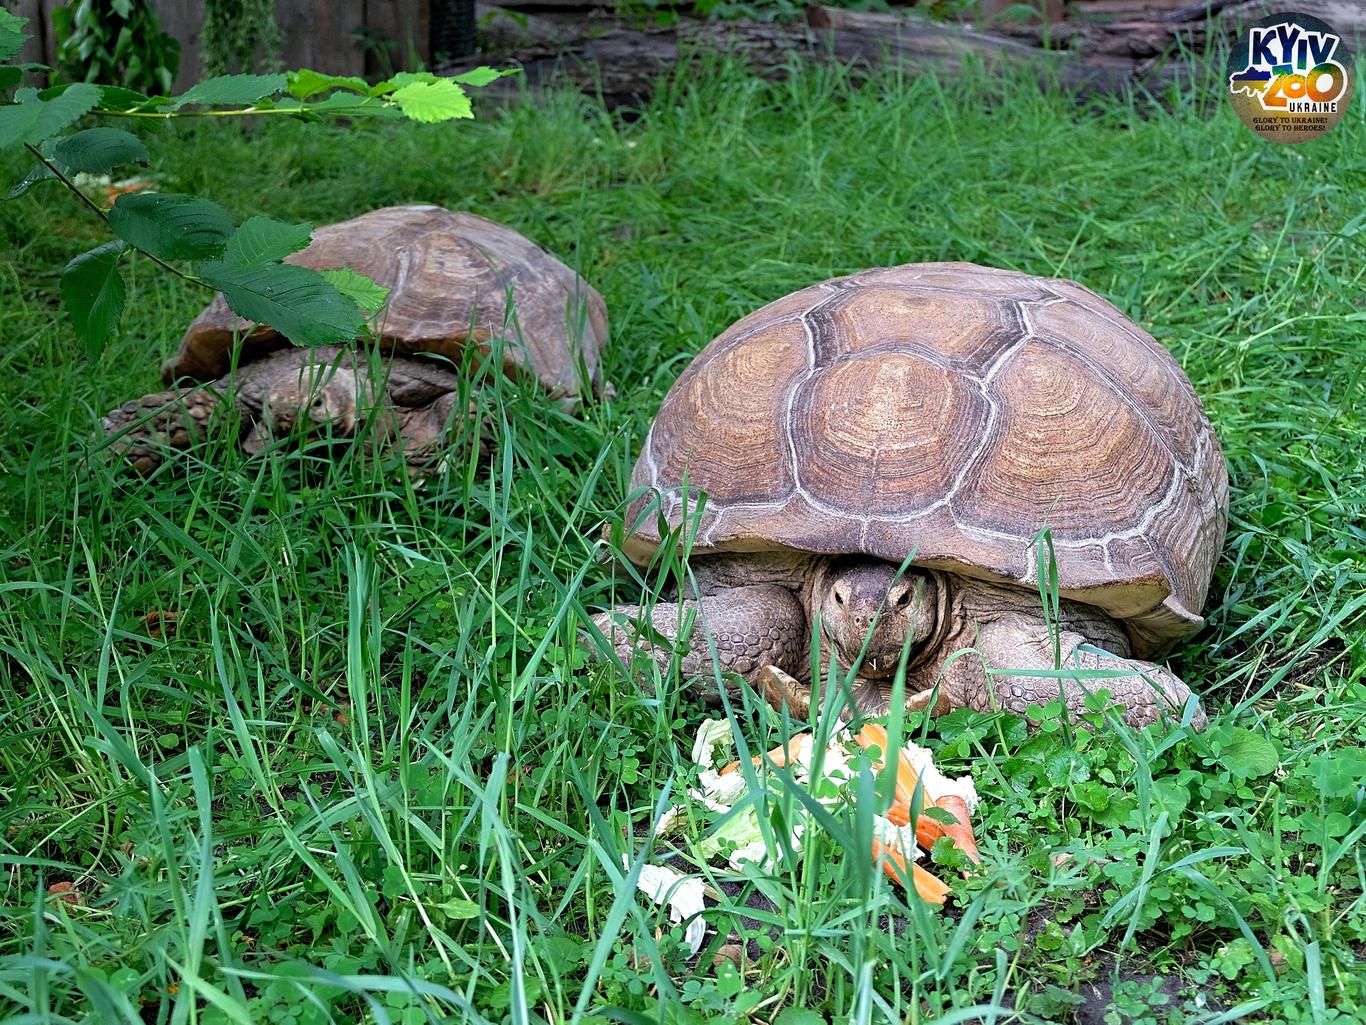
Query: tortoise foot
{"x": 141, "y": 431}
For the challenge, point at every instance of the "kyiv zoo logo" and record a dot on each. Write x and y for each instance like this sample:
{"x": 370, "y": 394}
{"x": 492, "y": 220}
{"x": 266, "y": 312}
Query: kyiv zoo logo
{"x": 1290, "y": 77}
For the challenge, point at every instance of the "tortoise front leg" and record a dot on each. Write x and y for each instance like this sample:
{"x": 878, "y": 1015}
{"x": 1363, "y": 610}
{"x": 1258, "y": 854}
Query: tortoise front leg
{"x": 438, "y": 432}
{"x": 143, "y": 429}
{"x": 752, "y": 627}
{"x": 1148, "y": 692}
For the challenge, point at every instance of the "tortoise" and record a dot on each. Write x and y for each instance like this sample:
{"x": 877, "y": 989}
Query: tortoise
{"x": 454, "y": 279}
{"x": 935, "y": 416}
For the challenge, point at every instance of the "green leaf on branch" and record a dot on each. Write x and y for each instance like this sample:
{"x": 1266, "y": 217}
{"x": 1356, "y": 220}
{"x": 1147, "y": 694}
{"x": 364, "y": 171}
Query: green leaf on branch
{"x": 231, "y": 89}
{"x": 367, "y": 293}
{"x": 475, "y": 76}
{"x": 401, "y": 79}
{"x": 482, "y": 76}
{"x": 35, "y": 119}
{"x": 352, "y": 106}
{"x": 93, "y": 294}
{"x": 170, "y": 226}
{"x": 12, "y": 34}
{"x": 39, "y": 173}
{"x": 431, "y": 102}
{"x": 97, "y": 150}
{"x": 112, "y": 97}
{"x": 265, "y": 240}
{"x": 9, "y": 76}
{"x": 306, "y": 82}
{"x": 297, "y": 302}
{"x": 117, "y": 98}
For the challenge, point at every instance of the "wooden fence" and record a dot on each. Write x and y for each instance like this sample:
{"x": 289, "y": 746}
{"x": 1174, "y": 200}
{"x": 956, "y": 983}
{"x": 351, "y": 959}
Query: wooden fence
{"x": 340, "y": 37}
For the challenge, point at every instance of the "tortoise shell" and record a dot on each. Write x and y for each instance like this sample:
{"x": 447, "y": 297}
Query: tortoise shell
{"x": 451, "y": 276}
{"x": 946, "y": 412}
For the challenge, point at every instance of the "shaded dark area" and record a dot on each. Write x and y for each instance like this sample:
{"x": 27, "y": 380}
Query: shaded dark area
{"x": 1093, "y": 46}
{"x": 452, "y": 28}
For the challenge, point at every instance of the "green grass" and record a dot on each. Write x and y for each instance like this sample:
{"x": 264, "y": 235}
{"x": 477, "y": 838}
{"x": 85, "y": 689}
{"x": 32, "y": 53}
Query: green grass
{"x": 375, "y": 776}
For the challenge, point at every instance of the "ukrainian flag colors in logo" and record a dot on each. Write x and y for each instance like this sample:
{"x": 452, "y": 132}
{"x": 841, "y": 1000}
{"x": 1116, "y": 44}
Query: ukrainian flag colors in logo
{"x": 1290, "y": 77}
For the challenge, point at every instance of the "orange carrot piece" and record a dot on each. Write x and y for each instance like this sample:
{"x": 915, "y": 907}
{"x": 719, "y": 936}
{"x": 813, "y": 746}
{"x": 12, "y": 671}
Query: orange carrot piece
{"x": 930, "y": 888}
{"x": 959, "y": 832}
{"x": 875, "y": 735}
{"x": 927, "y": 830}
{"x": 779, "y": 756}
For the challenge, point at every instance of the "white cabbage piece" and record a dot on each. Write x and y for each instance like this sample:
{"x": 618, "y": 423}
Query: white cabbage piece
{"x": 681, "y": 894}
{"x": 938, "y": 785}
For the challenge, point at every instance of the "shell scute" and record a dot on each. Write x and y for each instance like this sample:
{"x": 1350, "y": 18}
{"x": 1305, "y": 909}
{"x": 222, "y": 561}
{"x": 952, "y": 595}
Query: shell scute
{"x": 1065, "y": 453}
{"x": 972, "y": 331}
{"x": 1140, "y": 372}
{"x": 876, "y": 433}
{"x": 734, "y": 443}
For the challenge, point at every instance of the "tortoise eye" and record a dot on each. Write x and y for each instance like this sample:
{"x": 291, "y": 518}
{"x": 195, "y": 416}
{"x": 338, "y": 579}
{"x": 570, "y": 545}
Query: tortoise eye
{"x": 839, "y": 598}
{"x": 903, "y": 599}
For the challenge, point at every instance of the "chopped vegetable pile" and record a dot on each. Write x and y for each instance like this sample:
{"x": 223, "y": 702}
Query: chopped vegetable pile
{"x": 925, "y": 806}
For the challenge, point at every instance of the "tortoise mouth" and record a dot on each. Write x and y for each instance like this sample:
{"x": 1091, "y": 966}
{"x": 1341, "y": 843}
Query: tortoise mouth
{"x": 880, "y": 666}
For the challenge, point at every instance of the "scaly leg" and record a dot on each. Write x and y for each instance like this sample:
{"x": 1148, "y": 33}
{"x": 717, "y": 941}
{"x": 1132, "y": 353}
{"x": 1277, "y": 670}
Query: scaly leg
{"x": 436, "y": 433}
{"x": 752, "y": 627}
{"x": 147, "y": 426}
{"x": 1147, "y": 691}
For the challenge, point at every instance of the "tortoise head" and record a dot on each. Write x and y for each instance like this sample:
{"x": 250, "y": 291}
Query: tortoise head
{"x": 320, "y": 395}
{"x": 859, "y": 595}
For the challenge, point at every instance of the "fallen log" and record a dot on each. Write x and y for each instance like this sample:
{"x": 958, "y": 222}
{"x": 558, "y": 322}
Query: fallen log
{"x": 1103, "y": 46}
{"x": 1145, "y": 29}
{"x": 1347, "y": 16}
{"x": 873, "y": 37}
{"x": 621, "y": 62}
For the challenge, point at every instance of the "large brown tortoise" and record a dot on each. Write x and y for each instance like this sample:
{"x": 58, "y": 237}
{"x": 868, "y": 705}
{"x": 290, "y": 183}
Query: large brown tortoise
{"x": 455, "y": 279}
{"x": 941, "y": 414}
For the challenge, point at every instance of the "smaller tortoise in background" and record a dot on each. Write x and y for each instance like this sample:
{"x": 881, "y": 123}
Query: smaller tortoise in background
{"x": 455, "y": 279}
{"x": 942, "y": 414}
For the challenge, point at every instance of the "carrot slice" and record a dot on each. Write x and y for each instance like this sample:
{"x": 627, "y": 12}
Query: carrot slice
{"x": 930, "y": 888}
{"x": 927, "y": 830}
{"x": 780, "y": 756}
{"x": 875, "y": 735}
{"x": 959, "y": 832}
